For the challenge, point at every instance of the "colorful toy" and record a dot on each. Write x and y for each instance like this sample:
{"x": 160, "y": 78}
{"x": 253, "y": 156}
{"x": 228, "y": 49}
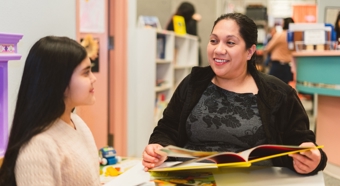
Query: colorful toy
{"x": 112, "y": 171}
{"x": 107, "y": 156}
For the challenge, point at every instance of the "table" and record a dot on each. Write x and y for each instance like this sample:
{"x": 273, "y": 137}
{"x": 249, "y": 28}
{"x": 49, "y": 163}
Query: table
{"x": 249, "y": 176}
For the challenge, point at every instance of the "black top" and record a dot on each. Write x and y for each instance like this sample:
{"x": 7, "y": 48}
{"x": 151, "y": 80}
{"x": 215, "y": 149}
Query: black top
{"x": 283, "y": 116}
{"x": 224, "y": 121}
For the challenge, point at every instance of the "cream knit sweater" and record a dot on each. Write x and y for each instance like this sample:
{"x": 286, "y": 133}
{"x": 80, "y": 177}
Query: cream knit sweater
{"x": 60, "y": 156}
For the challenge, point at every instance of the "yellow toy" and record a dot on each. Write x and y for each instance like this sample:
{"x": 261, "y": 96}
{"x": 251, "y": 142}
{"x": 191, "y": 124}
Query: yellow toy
{"x": 111, "y": 171}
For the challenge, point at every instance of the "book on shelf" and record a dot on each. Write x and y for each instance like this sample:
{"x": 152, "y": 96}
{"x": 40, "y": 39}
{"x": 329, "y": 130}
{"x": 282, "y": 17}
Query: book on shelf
{"x": 160, "y": 51}
{"x": 179, "y": 25}
{"x": 224, "y": 159}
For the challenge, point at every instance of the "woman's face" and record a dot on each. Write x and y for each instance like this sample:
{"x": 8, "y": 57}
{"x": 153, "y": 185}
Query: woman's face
{"x": 227, "y": 53}
{"x": 80, "y": 90}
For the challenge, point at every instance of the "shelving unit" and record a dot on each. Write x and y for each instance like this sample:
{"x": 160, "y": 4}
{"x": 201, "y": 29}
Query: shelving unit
{"x": 8, "y": 52}
{"x": 164, "y": 59}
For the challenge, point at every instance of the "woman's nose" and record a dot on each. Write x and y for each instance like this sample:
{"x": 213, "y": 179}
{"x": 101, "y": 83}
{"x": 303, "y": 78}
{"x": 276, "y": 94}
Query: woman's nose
{"x": 220, "y": 49}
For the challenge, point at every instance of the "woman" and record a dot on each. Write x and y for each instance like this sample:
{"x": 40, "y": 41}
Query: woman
{"x": 230, "y": 106}
{"x": 187, "y": 10}
{"x": 48, "y": 143}
{"x": 280, "y": 54}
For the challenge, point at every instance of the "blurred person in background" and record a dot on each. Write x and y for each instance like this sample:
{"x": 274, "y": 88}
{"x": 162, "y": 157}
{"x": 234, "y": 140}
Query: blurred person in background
{"x": 188, "y": 12}
{"x": 280, "y": 54}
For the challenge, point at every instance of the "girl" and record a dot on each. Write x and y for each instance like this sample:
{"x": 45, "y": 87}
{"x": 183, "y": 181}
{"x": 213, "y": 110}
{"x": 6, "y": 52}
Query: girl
{"x": 48, "y": 144}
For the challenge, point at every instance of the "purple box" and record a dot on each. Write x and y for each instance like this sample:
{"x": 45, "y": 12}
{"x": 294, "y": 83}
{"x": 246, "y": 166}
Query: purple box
{"x": 8, "y": 51}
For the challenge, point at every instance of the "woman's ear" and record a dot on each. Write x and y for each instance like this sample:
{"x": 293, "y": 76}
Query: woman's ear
{"x": 251, "y": 51}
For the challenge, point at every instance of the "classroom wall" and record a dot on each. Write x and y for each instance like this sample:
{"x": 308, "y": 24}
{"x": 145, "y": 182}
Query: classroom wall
{"x": 34, "y": 19}
{"x": 321, "y": 6}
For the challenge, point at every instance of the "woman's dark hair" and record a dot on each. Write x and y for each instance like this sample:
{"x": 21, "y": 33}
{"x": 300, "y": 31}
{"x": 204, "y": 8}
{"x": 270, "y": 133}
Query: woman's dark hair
{"x": 248, "y": 31}
{"x": 337, "y": 27}
{"x": 187, "y": 10}
{"x": 286, "y": 22}
{"x": 47, "y": 73}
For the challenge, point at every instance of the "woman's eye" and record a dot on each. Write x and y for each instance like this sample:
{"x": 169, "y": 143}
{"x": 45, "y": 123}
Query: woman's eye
{"x": 213, "y": 41}
{"x": 230, "y": 43}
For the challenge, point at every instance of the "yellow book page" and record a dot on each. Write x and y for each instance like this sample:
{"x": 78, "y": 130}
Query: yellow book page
{"x": 284, "y": 153}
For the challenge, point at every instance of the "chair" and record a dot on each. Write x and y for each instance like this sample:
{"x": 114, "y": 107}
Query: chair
{"x": 1, "y": 159}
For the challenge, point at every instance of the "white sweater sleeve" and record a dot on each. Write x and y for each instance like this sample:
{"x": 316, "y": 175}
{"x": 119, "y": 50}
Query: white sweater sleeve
{"x": 38, "y": 163}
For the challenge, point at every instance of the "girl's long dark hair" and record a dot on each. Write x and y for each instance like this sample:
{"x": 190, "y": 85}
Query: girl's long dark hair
{"x": 47, "y": 73}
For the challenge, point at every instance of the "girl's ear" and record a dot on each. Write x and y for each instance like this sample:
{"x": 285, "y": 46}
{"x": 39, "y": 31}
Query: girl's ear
{"x": 251, "y": 51}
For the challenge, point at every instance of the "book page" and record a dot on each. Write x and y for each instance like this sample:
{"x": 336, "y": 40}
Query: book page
{"x": 174, "y": 151}
{"x": 177, "y": 165}
{"x": 263, "y": 152}
{"x": 231, "y": 159}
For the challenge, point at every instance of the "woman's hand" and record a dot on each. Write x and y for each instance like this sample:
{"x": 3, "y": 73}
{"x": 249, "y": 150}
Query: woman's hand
{"x": 152, "y": 157}
{"x": 307, "y": 161}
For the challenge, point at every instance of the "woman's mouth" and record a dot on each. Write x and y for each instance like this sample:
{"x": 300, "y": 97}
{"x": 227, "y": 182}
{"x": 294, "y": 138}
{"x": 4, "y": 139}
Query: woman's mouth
{"x": 220, "y": 60}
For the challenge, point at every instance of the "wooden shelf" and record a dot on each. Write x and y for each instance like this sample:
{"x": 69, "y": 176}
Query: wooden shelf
{"x": 163, "y": 61}
{"x": 163, "y": 88}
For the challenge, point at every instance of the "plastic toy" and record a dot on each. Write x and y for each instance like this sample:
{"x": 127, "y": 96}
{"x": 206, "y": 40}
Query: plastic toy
{"x": 107, "y": 156}
{"x": 112, "y": 171}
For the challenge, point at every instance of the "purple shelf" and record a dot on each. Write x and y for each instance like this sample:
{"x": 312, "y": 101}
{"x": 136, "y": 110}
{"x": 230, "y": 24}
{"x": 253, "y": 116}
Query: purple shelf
{"x": 8, "y": 52}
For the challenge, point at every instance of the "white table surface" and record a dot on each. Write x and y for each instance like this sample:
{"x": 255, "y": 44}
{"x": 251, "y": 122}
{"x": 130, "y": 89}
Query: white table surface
{"x": 250, "y": 176}
{"x": 256, "y": 176}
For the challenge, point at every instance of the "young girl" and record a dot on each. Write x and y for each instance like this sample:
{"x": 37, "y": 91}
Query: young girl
{"x": 48, "y": 143}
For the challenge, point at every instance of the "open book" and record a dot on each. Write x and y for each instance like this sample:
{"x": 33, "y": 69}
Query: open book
{"x": 222, "y": 159}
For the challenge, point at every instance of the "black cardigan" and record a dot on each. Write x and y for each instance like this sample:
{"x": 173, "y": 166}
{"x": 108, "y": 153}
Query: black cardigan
{"x": 283, "y": 116}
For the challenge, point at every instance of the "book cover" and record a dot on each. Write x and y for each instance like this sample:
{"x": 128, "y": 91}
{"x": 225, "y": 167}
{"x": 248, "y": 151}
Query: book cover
{"x": 179, "y": 25}
{"x": 183, "y": 178}
{"x": 225, "y": 159}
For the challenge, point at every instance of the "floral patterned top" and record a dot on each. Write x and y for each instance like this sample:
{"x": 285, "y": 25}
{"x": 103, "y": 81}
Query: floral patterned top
{"x": 224, "y": 121}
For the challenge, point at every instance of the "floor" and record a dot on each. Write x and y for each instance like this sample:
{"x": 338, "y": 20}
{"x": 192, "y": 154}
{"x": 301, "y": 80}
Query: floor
{"x": 308, "y": 104}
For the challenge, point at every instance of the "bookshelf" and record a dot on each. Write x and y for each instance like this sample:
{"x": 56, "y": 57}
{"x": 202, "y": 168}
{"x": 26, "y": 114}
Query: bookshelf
{"x": 163, "y": 60}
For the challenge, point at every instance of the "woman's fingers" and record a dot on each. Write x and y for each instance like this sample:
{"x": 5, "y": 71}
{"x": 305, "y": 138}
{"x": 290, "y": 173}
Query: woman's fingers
{"x": 307, "y": 161}
{"x": 151, "y": 157}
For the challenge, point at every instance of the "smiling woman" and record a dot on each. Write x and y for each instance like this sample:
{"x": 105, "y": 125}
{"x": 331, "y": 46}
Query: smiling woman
{"x": 230, "y": 106}
{"x": 228, "y": 56}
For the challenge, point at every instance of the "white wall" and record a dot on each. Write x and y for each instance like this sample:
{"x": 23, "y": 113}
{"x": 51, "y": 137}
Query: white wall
{"x": 132, "y": 97}
{"x": 322, "y": 4}
{"x": 34, "y": 19}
